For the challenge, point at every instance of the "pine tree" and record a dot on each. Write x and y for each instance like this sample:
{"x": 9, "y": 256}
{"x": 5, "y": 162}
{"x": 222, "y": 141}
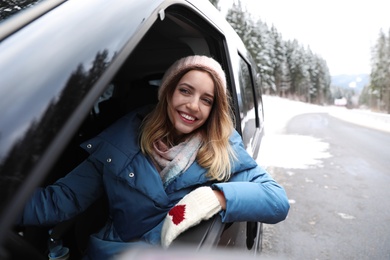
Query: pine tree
{"x": 286, "y": 68}
{"x": 215, "y": 3}
{"x": 387, "y": 72}
{"x": 280, "y": 68}
{"x": 379, "y": 70}
{"x": 241, "y": 23}
{"x": 298, "y": 69}
{"x": 263, "y": 56}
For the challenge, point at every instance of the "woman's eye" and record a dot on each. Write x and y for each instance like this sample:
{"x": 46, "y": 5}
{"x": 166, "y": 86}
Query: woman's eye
{"x": 208, "y": 101}
{"x": 184, "y": 91}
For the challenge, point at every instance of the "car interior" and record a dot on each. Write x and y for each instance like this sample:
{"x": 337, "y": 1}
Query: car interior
{"x": 179, "y": 34}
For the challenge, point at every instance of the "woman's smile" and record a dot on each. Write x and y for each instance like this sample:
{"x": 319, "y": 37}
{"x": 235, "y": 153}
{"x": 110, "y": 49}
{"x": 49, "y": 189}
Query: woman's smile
{"x": 187, "y": 117}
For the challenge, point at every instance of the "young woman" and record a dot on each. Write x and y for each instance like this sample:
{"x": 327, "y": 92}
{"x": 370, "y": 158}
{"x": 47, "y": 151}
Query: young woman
{"x": 165, "y": 169}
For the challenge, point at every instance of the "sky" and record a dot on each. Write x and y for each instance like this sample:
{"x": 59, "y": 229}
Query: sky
{"x": 342, "y": 32}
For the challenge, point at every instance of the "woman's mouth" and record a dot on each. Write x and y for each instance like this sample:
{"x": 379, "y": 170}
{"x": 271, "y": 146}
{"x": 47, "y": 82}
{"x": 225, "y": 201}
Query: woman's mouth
{"x": 187, "y": 117}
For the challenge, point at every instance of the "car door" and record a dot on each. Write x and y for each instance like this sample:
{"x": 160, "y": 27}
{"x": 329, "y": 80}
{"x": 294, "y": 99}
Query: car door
{"x": 69, "y": 74}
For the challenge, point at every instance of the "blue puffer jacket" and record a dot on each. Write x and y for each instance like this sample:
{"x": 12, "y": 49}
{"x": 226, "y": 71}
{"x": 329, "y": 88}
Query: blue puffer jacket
{"x": 138, "y": 202}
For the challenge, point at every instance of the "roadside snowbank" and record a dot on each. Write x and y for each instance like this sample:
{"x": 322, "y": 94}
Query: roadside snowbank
{"x": 366, "y": 118}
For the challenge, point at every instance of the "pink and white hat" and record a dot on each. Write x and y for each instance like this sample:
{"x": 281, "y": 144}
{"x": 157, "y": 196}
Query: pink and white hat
{"x": 192, "y": 62}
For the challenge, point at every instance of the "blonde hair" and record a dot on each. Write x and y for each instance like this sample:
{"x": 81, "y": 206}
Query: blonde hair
{"x": 216, "y": 153}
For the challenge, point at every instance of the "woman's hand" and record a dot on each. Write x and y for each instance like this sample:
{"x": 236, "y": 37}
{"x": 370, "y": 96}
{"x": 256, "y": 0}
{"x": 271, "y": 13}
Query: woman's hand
{"x": 200, "y": 204}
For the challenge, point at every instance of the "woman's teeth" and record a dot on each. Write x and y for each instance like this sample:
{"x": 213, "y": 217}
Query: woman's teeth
{"x": 188, "y": 117}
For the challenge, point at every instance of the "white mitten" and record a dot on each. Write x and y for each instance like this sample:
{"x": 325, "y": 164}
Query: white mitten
{"x": 200, "y": 204}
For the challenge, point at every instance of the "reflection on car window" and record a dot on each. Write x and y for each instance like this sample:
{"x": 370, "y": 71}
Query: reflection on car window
{"x": 259, "y": 97}
{"x": 105, "y": 96}
{"x": 246, "y": 103}
{"x": 9, "y": 8}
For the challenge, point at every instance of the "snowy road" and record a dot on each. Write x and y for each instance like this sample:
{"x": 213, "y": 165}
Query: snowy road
{"x": 336, "y": 176}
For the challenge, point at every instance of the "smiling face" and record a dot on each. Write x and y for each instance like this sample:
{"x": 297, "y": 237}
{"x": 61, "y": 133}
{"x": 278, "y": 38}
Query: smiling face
{"x": 191, "y": 102}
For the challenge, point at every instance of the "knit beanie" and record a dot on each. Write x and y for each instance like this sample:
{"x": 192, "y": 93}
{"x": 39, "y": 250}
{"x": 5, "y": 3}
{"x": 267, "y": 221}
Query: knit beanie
{"x": 192, "y": 62}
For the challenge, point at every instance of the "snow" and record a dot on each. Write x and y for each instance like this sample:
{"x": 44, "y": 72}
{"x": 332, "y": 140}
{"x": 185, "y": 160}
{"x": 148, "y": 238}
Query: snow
{"x": 299, "y": 151}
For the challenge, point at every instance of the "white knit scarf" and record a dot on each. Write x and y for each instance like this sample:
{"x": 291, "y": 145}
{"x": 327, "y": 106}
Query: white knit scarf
{"x": 175, "y": 160}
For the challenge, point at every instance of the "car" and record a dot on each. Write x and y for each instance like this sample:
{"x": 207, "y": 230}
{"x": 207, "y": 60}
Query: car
{"x": 71, "y": 68}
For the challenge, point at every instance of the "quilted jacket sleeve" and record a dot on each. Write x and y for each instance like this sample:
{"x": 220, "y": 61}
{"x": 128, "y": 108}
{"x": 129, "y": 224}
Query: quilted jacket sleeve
{"x": 251, "y": 193}
{"x": 65, "y": 198}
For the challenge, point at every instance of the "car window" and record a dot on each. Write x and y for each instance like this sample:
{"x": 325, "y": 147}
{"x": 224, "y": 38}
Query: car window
{"x": 246, "y": 102}
{"x": 258, "y": 92}
{"x": 9, "y": 8}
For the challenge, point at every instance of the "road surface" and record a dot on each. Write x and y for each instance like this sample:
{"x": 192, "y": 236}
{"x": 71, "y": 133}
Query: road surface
{"x": 340, "y": 199}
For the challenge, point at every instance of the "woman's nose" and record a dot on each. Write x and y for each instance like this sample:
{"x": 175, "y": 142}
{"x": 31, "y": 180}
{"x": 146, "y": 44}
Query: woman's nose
{"x": 193, "y": 104}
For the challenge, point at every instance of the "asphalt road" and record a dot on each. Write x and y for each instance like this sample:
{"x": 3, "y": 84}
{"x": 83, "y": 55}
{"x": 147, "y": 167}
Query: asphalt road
{"x": 340, "y": 209}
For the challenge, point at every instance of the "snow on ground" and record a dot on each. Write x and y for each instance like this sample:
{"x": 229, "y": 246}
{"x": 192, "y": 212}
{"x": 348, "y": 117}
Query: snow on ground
{"x": 366, "y": 118}
{"x": 299, "y": 151}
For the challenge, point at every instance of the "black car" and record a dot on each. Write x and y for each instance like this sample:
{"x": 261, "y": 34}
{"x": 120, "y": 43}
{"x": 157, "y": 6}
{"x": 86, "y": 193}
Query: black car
{"x": 68, "y": 69}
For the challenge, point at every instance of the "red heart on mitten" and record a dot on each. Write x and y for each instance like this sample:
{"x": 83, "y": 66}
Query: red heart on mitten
{"x": 177, "y": 213}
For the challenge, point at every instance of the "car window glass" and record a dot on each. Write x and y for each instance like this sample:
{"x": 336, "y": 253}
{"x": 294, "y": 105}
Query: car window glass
{"x": 246, "y": 103}
{"x": 9, "y": 8}
{"x": 259, "y": 93}
{"x": 107, "y": 94}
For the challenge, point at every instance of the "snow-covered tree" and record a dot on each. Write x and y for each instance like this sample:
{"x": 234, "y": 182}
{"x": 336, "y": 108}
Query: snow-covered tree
{"x": 380, "y": 71}
{"x": 280, "y": 67}
{"x": 387, "y": 80}
{"x": 286, "y": 68}
{"x": 215, "y": 3}
{"x": 263, "y": 56}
